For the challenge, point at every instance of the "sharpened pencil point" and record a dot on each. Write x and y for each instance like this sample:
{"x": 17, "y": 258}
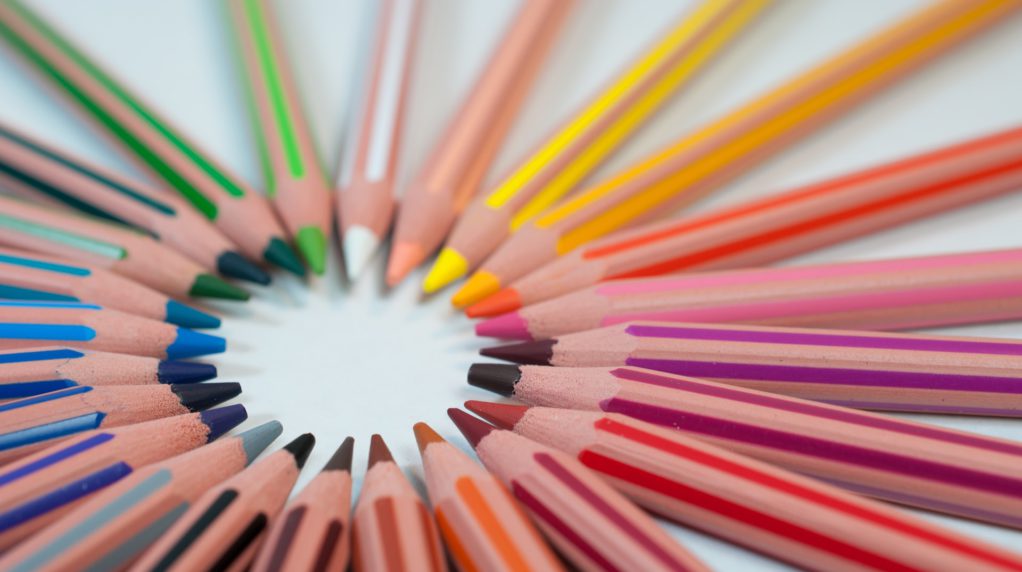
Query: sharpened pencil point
{"x": 478, "y": 286}
{"x": 449, "y": 266}
{"x": 312, "y": 244}
{"x": 171, "y": 371}
{"x": 360, "y": 244}
{"x": 473, "y": 429}
{"x": 209, "y": 286}
{"x": 257, "y": 439}
{"x": 184, "y": 315}
{"x": 529, "y": 353}
{"x": 190, "y": 343}
{"x": 404, "y": 257}
{"x": 503, "y": 415}
{"x": 424, "y": 435}
{"x": 279, "y": 253}
{"x": 234, "y": 265}
{"x": 502, "y": 302}
{"x": 223, "y": 419}
{"x": 499, "y": 378}
{"x": 510, "y": 326}
{"x": 301, "y": 447}
{"x": 206, "y": 395}
{"x": 341, "y": 459}
{"x": 378, "y": 451}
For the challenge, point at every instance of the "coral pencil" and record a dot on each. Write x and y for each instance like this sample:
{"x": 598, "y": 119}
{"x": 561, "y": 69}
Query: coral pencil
{"x": 891, "y": 294}
{"x": 708, "y": 158}
{"x": 592, "y": 135}
{"x": 27, "y": 276}
{"x": 780, "y": 513}
{"x": 482, "y": 525}
{"x": 782, "y": 225}
{"x": 32, "y": 168}
{"x": 41, "y": 488}
{"x": 32, "y": 371}
{"x": 117, "y": 524}
{"x": 224, "y": 528}
{"x": 108, "y": 245}
{"x": 87, "y": 326}
{"x": 392, "y": 528}
{"x": 920, "y": 465}
{"x": 365, "y": 183}
{"x": 458, "y": 162}
{"x": 220, "y": 196}
{"x": 591, "y": 524}
{"x": 313, "y": 532}
{"x": 294, "y": 177}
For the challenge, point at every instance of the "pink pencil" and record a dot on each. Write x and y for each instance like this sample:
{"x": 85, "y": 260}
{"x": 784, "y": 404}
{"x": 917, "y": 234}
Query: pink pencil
{"x": 891, "y": 294}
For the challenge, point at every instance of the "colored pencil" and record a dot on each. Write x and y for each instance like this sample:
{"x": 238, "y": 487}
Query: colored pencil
{"x": 920, "y": 465}
{"x": 32, "y": 168}
{"x": 455, "y": 167}
{"x": 41, "y": 488}
{"x": 87, "y": 326}
{"x": 890, "y": 294}
{"x": 866, "y": 370}
{"x": 780, "y": 513}
{"x": 34, "y": 423}
{"x": 313, "y": 531}
{"x": 295, "y": 179}
{"x": 115, "y": 525}
{"x": 107, "y": 245}
{"x": 713, "y": 155}
{"x": 482, "y": 525}
{"x": 37, "y": 370}
{"x": 29, "y": 276}
{"x": 590, "y": 523}
{"x": 785, "y": 224}
{"x": 392, "y": 528}
{"x": 365, "y": 183}
{"x": 590, "y": 137}
{"x": 243, "y": 215}
{"x": 225, "y": 527}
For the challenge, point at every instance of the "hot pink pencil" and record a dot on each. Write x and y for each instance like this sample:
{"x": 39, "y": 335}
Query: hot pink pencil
{"x": 455, "y": 168}
{"x": 891, "y": 294}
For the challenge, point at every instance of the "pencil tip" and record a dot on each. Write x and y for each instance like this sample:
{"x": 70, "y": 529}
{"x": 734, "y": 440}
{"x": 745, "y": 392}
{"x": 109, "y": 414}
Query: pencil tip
{"x": 341, "y": 459}
{"x": 312, "y": 244}
{"x": 174, "y": 371}
{"x": 501, "y": 302}
{"x": 478, "y": 286}
{"x": 503, "y": 415}
{"x": 234, "y": 265}
{"x": 257, "y": 439}
{"x": 499, "y": 378}
{"x": 301, "y": 447}
{"x": 473, "y": 429}
{"x": 209, "y": 286}
{"x": 404, "y": 257}
{"x": 280, "y": 253}
{"x": 202, "y": 396}
{"x": 360, "y": 244}
{"x": 532, "y": 353}
{"x": 189, "y": 343}
{"x": 222, "y": 419}
{"x": 449, "y": 266}
{"x": 424, "y": 435}
{"x": 378, "y": 451}
{"x": 184, "y": 315}
{"x": 510, "y": 326}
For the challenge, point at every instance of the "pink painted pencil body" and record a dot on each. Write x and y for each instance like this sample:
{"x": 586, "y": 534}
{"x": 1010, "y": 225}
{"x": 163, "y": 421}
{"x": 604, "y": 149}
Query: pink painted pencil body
{"x": 455, "y": 168}
{"x": 40, "y": 364}
{"x": 796, "y": 519}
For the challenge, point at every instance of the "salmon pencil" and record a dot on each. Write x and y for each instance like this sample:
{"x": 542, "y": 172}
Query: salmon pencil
{"x": 32, "y": 168}
{"x": 37, "y": 370}
{"x": 115, "y": 525}
{"x": 460, "y": 159}
{"x": 866, "y": 370}
{"x": 43, "y": 487}
{"x": 28, "y": 276}
{"x": 781, "y": 225}
{"x": 295, "y": 179}
{"x": 365, "y": 184}
{"x": 87, "y": 326}
{"x": 799, "y": 520}
{"x": 889, "y": 294}
{"x": 243, "y": 215}
{"x": 392, "y": 528}
{"x": 590, "y": 137}
{"x": 481, "y": 523}
{"x": 915, "y": 464}
{"x": 225, "y": 526}
{"x": 705, "y": 160}
{"x": 313, "y": 532}
{"x": 592, "y": 525}
{"x": 108, "y": 245}
{"x": 34, "y": 423}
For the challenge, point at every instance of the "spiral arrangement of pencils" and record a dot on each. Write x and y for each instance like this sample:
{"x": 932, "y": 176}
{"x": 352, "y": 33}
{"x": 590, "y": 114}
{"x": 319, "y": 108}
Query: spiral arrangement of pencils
{"x": 655, "y": 367}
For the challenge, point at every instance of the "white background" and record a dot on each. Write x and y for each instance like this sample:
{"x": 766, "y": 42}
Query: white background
{"x": 339, "y": 360}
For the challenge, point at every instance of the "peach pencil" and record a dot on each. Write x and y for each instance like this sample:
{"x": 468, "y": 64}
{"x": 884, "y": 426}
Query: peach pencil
{"x": 915, "y": 464}
{"x": 43, "y": 487}
{"x": 226, "y": 525}
{"x": 392, "y": 528}
{"x": 115, "y": 247}
{"x": 889, "y": 294}
{"x": 482, "y": 525}
{"x": 243, "y": 215}
{"x": 34, "y": 423}
{"x": 796, "y": 519}
{"x": 42, "y": 369}
{"x": 365, "y": 183}
{"x": 28, "y": 276}
{"x": 703, "y": 161}
{"x": 785, "y": 224}
{"x": 87, "y": 326}
{"x": 314, "y": 532}
{"x": 593, "y": 526}
{"x": 866, "y": 370}
{"x": 459, "y": 160}
{"x": 116, "y": 525}
{"x": 30, "y": 167}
